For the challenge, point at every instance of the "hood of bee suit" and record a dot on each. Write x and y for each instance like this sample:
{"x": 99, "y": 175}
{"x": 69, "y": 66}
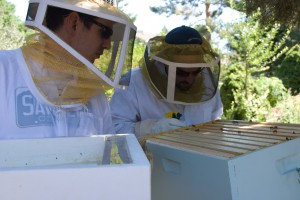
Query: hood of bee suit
{"x": 166, "y": 56}
{"x": 60, "y": 74}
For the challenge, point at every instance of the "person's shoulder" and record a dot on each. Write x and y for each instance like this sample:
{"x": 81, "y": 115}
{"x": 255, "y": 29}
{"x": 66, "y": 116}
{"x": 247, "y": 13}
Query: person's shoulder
{"x": 133, "y": 76}
{"x": 9, "y": 55}
{"x": 10, "y": 58}
{"x": 136, "y": 72}
{"x": 127, "y": 77}
{"x": 135, "y": 81}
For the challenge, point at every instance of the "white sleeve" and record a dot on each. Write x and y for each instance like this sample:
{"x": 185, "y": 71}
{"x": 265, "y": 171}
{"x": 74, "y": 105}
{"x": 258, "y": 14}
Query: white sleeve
{"x": 107, "y": 122}
{"x": 152, "y": 126}
{"x": 124, "y": 109}
{"x": 102, "y": 109}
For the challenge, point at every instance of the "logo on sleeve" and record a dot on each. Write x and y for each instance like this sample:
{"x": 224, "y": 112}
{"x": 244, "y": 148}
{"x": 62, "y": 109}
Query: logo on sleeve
{"x": 29, "y": 112}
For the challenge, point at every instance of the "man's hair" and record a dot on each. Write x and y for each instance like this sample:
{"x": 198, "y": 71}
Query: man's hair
{"x": 55, "y": 17}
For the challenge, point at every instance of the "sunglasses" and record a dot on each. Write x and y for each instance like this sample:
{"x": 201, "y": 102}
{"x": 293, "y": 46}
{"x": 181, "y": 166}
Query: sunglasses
{"x": 182, "y": 73}
{"x": 106, "y": 31}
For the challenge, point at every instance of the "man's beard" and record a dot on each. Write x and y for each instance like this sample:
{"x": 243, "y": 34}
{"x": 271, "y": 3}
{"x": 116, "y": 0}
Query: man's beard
{"x": 183, "y": 85}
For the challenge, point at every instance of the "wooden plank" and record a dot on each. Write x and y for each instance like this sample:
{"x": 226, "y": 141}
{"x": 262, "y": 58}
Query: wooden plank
{"x": 241, "y": 122}
{"x": 231, "y": 150}
{"x": 228, "y": 139}
{"x": 217, "y": 131}
{"x": 256, "y": 133}
{"x": 260, "y": 131}
{"x": 216, "y": 141}
{"x": 283, "y": 127}
{"x": 238, "y": 136}
{"x": 252, "y": 129}
{"x": 259, "y": 136}
{"x": 192, "y": 148}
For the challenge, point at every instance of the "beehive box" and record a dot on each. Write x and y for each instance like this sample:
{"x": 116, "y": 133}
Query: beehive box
{"x": 226, "y": 160}
{"x": 106, "y": 167}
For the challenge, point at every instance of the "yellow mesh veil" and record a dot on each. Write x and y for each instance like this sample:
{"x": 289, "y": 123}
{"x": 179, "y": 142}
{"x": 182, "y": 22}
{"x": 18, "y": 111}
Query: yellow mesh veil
{"x": 160, "y": 54}
{"x": 60, "y": 73}
{"x": 59, "y": 76}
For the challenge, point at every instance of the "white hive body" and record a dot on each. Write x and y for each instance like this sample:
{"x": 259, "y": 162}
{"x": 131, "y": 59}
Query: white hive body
{"x": 226, "y": 160}
{"x": 104, "y": 167}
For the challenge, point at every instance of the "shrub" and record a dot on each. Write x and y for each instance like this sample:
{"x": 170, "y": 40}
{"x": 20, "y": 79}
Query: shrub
{"x": 289, "y": 71}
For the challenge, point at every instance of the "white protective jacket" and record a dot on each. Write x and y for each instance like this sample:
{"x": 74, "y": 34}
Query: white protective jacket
{"x": 23, "y": 115}
{"x": 138, "y": 104}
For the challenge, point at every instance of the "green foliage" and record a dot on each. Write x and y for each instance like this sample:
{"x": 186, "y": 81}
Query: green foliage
{"x": 164, "y": 31}
{"x": 287, "y": 111}
{"x": 12, "y": 29}
{"x": 289, "y": 71}
{"x": 138, "y": 52}
{"x": 246, "y": 93}
{"x": 275, "y": 11}
{"x": 271, "y": 88}
{"x": 231, "y": 83}
{"x": 253, "y": 45}
{"x": 109, "y": 93}
{"x": 204, "y": 10}
{"x": 263, "y": 94}
{"x": 191, "y": 7}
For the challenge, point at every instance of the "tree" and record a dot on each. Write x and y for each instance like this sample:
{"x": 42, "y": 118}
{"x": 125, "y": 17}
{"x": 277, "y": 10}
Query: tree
{"x": 253, "y": 48}
{"x": 188, "y": 8}
{"x": 275, "y": 11}
{"x": 12, "y": 29}
{"x": 193, "y": 8}
{"x": 289, "y": 71}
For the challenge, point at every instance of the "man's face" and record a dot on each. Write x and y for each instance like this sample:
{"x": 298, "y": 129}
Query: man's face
{"x": 185, "y": 77}
{"x": 91, "y": 42}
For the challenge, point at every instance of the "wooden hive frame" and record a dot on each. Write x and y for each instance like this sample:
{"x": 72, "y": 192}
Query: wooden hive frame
{"x": 227, "y": 138}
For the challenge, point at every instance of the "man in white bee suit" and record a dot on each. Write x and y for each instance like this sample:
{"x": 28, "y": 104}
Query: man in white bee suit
{"x": 53, "y": 86}
{"x": 176, "y": 85}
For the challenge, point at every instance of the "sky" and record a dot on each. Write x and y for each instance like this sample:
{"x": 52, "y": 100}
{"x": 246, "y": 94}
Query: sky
{"x": 147, "y": 22}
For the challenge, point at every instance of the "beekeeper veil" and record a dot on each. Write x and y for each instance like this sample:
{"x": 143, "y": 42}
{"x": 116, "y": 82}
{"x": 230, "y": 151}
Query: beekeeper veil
{"x": 182, "y": 53}
{"x": 60, "y": 74}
